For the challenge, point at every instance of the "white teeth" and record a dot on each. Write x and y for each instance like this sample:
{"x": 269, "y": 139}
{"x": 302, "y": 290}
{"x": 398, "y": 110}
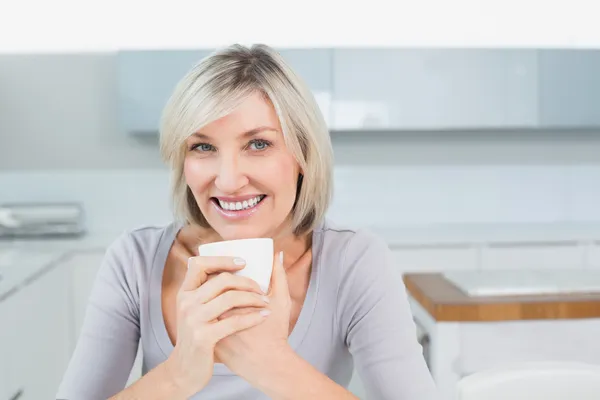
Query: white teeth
{"x": 240, "y": 205}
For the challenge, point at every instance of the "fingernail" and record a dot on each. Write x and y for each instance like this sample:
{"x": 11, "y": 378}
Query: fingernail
{"x": 190, "y": 260}
{"x": 239, "y": 261}
{"x": 281, "y": 257}
{"x": 264, "y": 313}
{"x": 266, "y": 299}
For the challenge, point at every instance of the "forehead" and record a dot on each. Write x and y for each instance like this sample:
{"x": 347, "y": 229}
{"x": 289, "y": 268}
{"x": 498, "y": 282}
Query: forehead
{"x": 255, "y": 113}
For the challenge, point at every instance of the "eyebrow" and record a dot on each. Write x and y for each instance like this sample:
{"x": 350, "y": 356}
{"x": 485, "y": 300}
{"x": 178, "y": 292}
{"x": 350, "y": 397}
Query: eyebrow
{"x": 246, "y": 134}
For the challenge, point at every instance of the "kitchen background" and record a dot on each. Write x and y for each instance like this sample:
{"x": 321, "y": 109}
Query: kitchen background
{"x": 463, "y": 159}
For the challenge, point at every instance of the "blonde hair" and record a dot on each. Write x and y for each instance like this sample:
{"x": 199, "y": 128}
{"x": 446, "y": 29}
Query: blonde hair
{"x": 213, "y": 88}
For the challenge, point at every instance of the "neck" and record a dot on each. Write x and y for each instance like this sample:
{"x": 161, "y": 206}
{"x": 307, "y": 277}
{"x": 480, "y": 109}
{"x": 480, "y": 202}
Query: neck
{"x": 293, "y": 247}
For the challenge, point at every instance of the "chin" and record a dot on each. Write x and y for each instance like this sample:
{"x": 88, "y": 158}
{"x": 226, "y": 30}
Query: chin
{"x": 236, "y": 232}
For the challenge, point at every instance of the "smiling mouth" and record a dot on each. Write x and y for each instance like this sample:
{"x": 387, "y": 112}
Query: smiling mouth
{"x": 238, "y": 205}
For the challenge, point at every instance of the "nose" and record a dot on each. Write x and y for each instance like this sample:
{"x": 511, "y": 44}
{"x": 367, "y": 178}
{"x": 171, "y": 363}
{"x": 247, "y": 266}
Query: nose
{"x": 230, "y": 176}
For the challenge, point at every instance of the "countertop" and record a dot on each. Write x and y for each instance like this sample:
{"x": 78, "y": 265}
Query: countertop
{"x": 445, "y": 302}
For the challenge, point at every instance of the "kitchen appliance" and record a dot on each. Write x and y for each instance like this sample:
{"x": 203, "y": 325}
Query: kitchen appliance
{"x": 31, "y": 220}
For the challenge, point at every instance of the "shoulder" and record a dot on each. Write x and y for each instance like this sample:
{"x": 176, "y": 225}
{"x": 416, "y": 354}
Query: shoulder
{"x": 132, "y": 253}
{"x": 346, "y": 247}
{"x": 143, "y": 239}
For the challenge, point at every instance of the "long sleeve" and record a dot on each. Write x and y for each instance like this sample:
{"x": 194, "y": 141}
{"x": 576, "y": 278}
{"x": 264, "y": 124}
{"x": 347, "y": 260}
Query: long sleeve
{"x": 108, "y": 343}
{"x": 377, "y": 322}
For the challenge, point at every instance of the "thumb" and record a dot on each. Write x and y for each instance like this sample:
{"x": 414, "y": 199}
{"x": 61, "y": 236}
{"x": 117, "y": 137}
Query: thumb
{"x": 279, "y": 283}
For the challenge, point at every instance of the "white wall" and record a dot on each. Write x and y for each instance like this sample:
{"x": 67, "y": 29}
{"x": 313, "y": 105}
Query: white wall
{"x": 59, "y": 141}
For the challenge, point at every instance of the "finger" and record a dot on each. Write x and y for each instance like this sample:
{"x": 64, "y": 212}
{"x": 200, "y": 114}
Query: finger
{"x": 200, "y": 267}
{"x": 278, "y": 277}
{"x": 230, "y": 300}
{"x": 239, "y": 311}
{"x": 237, "y": 323}
{"x": 224, "y": 282}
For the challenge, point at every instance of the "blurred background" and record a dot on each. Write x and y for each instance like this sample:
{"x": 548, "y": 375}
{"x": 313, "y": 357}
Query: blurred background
{"x": 466, "y": 160}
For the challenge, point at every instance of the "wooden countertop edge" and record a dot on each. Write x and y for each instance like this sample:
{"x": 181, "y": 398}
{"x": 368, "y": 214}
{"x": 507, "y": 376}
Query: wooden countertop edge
{"x": 495, "y": 311}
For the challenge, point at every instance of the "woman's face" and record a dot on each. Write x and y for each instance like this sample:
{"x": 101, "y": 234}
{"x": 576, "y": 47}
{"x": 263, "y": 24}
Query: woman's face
{"x": 241, "y": 173}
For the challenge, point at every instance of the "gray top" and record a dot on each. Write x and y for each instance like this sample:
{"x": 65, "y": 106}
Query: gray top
{"x": 355, "y": 314}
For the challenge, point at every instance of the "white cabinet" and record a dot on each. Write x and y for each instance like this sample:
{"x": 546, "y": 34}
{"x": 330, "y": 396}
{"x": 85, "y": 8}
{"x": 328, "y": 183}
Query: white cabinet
{"x": 593, "y": 255}
{"x": 6, "y": 391}
{"x": 542, "y": 255}
{"x": 569, "y": 88}
{"x": 314, "y": 68}
{"x": 38, "y": 338}
{"x": 417, "y": 89}
{"x": 146, "y": 80}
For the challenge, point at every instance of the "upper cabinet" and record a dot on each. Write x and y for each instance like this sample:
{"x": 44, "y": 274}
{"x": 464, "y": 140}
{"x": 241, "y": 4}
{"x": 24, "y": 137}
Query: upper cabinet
{"x": 314, "y": 68}
{"x": 433, "y": 89}
{"x": 399, "y": 89}
{"x": 146, "y": 80}
{"x": 569, "y": 93}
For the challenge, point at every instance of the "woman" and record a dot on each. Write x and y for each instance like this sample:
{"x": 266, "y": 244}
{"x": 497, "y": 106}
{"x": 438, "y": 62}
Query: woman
{"x": 251, "y": 157}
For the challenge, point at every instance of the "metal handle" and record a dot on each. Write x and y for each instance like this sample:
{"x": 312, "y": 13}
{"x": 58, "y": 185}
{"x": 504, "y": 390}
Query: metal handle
{"x": 17, "y": 395}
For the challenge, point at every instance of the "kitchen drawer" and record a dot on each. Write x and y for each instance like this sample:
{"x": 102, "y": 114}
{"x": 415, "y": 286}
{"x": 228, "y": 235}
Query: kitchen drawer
{"x": 434, "y": 258}
{"x": 533, "y": 255}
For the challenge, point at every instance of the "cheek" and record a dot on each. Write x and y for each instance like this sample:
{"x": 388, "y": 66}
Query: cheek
{"x": 195, "y": 174}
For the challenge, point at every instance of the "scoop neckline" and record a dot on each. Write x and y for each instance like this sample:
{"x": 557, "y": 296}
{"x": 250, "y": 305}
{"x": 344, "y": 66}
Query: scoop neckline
{"x": 155, "y": 310}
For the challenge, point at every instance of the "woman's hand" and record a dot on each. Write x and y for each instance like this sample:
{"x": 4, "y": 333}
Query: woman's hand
{"x": 200, "y": 304}
{"x": 246, "y": 351}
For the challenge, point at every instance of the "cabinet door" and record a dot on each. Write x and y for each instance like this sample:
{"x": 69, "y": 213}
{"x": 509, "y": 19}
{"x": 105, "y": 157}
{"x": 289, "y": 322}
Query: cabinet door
{"x": 146, "y": 80}
{"x": 38, "y": 314}
{"x": 405, "y": 89}
{"x": 5, "y": 390}
{"x": 569, "y": 83}
{"x": 314, "y": 67}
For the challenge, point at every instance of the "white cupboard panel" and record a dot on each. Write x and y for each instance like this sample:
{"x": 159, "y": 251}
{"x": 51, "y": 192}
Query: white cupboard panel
{"x": 593, "y": 259}
{"x": 533, "y": 255}
{"x": 434, "y": 88}
{"x": 38, "y": 314}
{"x": 435, "y": 259}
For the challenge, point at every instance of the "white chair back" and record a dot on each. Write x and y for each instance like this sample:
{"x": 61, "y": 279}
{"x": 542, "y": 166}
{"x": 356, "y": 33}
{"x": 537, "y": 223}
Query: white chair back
{"x": 533, "y": 381}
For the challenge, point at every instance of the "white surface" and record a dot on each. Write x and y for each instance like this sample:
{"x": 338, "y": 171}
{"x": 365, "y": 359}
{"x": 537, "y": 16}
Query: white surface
{"x": 39, "y": 334}
{"x": 16, "y": 266}
{"x": 527, "y": 381}
{"x": 524, "y": 282}
{"x": 433, "y": 89}
{"x": 258, "y": 254}
{"x": 460, "y": 349}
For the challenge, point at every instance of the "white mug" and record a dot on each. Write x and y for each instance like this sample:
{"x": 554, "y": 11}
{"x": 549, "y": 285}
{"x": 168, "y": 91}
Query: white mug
{"x": 258, "y": 254}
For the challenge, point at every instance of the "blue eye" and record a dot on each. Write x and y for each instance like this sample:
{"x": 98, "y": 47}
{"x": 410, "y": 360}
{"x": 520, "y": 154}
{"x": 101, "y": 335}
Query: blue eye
{"x": 203, "y": 147}
{"x": 259, "y": 144}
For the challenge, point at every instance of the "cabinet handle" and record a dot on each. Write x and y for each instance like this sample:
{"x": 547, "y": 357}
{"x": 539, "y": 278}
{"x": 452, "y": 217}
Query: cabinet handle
{"x": 17, "y": 395}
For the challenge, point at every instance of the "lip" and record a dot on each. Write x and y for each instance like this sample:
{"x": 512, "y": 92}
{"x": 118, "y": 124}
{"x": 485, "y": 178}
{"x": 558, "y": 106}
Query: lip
{"x": 234, "y": 215}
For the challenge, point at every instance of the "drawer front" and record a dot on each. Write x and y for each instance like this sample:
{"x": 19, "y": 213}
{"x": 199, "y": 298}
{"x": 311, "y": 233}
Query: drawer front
{"x": 435, "y": 258}
{"x": 561, "y": 255}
